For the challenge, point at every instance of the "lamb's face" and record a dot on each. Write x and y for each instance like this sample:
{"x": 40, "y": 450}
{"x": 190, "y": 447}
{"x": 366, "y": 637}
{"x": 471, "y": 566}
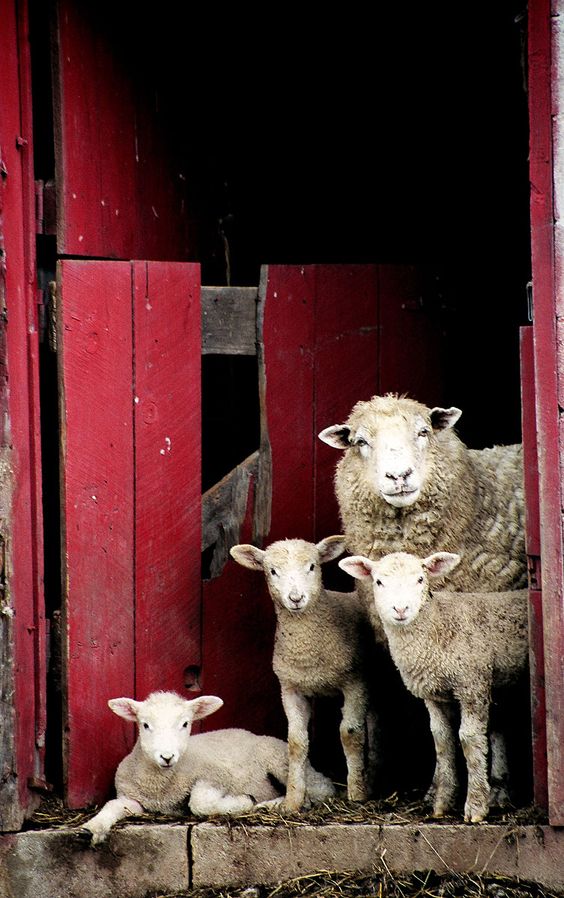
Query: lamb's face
{"x": 400, "y": 582}
{"x": 292, "y": 568}
{"x": 293, "y": 573}
{"x": 401, "y": 588}
{"x": 165, "y": 722}
{"x": 391, "y": 438}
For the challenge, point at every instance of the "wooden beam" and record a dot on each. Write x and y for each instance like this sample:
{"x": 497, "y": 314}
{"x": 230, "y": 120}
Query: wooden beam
{"x": 223, "y": 511}
{"x": 229, "y": 320}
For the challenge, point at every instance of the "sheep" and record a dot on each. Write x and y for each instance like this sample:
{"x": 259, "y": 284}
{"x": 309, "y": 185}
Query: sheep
{"x": 407, "y": 483}
{"x": 230, "y": 771}
{"x": 449, "y": 646}
{"x": 322, "y": 645}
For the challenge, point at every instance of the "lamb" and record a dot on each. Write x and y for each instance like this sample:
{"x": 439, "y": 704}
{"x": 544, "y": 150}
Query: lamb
{"x": 322, "y": 647}
{"x": 407, "y": 483}
{"x": 229, "y": 771}
{"x": 449, "y": 647}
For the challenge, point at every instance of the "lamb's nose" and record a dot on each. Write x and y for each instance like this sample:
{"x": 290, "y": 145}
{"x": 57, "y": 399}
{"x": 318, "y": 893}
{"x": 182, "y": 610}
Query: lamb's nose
{"x": 296, "y": 599}
{"x": 167, "y": 758}
{"x": 401, "y": 612}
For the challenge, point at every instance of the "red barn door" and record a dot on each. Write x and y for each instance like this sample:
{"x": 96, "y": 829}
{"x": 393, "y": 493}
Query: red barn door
{"x": 129, "y": 363}
{"x": 546, "y": 110}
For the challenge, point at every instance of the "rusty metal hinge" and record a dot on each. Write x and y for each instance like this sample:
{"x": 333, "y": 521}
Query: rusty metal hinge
{"x": 534, "y": 571}
{"x": 45, "y": 208}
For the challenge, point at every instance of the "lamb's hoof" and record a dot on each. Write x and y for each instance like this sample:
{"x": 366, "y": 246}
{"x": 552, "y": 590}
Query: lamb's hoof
{"x": 475, "y": 815}
{"x": 83, "y": 837}
{"x": 499, "y": 797}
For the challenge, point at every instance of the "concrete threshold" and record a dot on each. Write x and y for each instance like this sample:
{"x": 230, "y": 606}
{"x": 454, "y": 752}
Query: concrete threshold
{"x": 139, "y": 860}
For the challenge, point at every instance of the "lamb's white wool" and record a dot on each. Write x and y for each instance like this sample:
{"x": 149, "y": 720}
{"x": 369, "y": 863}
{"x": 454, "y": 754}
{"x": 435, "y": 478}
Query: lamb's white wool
{"x": 322, "y": 647}
{"x": 227, "y": 771}
{"x": 449, "y": 646}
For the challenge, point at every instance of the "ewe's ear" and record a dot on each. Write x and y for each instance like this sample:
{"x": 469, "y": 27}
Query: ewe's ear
{"x": 248, "y": 556}
{"x": 443, "y": 418}
{"x": 204, "y": 706}
{"x": 330, "y": 547}
{"x": 440, "y": 563}
{"x": 127, "y": 708}
{"x": 357, "y": 566}
{"x": 337, "y": 436}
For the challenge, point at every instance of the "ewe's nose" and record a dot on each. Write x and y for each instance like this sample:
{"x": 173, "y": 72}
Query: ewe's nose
{"x": 296, "y": 597}
{"x": 403, "y": 475}
{"x": 167, "y": 758}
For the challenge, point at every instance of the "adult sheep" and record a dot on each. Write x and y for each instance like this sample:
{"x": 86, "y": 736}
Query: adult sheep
{"x": 407, "y": 483}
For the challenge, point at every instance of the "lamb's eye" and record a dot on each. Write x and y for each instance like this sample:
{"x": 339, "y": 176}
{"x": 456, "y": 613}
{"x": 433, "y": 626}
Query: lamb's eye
{"x": 146, "y": 726}
{"x": 312, "y": 567}
{"x": 420, "y": 580}
{"x": 360, "y": 442}
{"x": 424, "y": 432}
{"x": 379, "y": 583}
{"x": 273, "y": 572}
{"x": 185, "y": 725}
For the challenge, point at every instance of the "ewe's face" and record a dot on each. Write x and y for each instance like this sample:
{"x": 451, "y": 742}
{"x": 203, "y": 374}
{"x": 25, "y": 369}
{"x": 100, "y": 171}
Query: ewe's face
{"x": 293, "y": 573}
{"x": 393, "y": 445}
{"x": 165, "y": 722}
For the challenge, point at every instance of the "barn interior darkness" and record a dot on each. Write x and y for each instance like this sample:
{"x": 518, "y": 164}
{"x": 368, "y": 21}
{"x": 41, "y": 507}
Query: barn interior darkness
{"x": 393, "y": 133}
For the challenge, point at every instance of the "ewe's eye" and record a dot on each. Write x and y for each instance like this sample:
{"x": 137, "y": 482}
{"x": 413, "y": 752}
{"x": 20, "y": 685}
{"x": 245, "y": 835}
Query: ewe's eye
{"x": 312, "y": 567}
{"x": 420, "y": 580}
{"x": 146, "y": 726}
{"x": 379, "y": 583}
{"x": 360, "y": 441}
{"x": 273, "y": 572}
{"x": 185, "y": 725}
{"x": 424, "y": 432}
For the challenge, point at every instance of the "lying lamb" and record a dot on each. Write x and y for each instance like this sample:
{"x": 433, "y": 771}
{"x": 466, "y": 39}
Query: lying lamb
{"x": 322, "y": 647}
{"x": 407, "y": 483}
{"x": 227, "y": 771}
{"x": 449, "y": 646}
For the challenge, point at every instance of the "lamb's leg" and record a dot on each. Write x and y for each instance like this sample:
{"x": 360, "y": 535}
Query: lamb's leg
{"x": 298, "y": 712}
{"x": 474, "y": 740}
{"x": 499, "y": 774}
{"x": 373, "y": 751}
{"x": 112, "y": 812}
{"x": 449, "y": 709}
{"x": 445, "y": 769}
{"x": 207, "y": 799}
{"x": 352, "y": 730}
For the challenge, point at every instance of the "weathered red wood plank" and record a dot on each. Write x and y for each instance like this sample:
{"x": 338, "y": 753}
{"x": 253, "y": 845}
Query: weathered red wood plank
{"x": 22, "y": 646}
{"x": 95, "y": 359}
{"x": 536, "y": 650}
{"x": 120, "y": 194}
{"x": 346, "y": 367}
{"x": 289, "y": 350}
{"x": 167, "y": 335}
{"x": 546, "y": 381}
{"x": 410, "y": 349}
{"x": 238, "y": 638}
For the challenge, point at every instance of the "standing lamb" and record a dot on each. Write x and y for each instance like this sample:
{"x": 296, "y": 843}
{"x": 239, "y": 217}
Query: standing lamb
{"x": 322, "y": 647}
{"x": 227, "y": 771}
{"x": 449, "y": 646}
{"x": 408, "y": 484}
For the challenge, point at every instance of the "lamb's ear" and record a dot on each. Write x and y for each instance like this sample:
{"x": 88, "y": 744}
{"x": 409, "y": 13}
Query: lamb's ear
{"x": 204, "y": 706}
{"x": 440, "y": 563}
{"x": 443, "y": 418}
{"x": 127, "y": 708}
{"x": 248, "y": 556}
{"x": 337, "y": 435}
{"x": 330, "y": 547}
{"x": 357, "y": 566}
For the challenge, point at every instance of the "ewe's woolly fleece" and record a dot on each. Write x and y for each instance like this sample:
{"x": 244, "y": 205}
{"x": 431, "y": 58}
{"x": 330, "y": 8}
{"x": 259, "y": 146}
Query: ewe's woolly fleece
{"x": 471, "y": 503}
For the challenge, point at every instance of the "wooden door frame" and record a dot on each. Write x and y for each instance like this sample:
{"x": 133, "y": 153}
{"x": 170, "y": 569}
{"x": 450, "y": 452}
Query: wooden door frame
{"x": 23, "y": 629}
{"x": 546, "y": 116}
